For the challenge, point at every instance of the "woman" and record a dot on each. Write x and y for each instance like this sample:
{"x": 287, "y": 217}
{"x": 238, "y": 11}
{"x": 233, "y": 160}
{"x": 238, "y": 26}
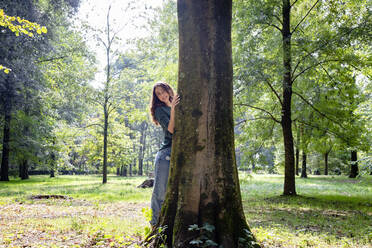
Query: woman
{"x": 162, "y": 105}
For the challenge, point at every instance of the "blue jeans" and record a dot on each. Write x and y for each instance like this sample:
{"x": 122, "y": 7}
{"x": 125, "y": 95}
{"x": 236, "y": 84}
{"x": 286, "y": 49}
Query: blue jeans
{"x": 162, "y": 161}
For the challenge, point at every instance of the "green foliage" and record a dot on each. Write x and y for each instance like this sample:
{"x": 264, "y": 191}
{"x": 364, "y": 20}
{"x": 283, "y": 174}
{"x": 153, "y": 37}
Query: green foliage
{"x": 205, "y": 237}
{"x": 329, "y": 73}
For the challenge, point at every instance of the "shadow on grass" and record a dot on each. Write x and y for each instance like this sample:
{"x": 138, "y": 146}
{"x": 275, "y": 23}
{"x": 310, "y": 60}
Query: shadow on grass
{"x": 320, "y": 215}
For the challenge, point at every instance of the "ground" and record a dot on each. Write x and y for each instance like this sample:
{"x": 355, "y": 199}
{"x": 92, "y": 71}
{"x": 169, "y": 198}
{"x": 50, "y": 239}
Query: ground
{"x": 330, "y": 212}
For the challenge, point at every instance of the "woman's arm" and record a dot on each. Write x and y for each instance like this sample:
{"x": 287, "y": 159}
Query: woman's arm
{"x": 174, "y": 103}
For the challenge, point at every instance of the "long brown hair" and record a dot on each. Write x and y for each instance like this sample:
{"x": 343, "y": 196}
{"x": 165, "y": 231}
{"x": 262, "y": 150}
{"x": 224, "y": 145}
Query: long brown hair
{"x": 155, "y": 102}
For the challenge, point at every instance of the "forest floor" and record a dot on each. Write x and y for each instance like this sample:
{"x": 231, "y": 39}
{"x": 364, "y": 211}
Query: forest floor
{"x": 330, "y": 211}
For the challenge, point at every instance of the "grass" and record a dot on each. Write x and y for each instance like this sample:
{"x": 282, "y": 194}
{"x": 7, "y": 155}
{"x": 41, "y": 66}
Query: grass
{"x": 329, "y": 211}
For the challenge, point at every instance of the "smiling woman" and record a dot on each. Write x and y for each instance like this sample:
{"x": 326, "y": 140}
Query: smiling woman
{"x": 162, "y": 109}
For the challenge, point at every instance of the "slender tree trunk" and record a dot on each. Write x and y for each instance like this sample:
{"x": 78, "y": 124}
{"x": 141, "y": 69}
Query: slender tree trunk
{"x": 6, "y": 142}
{"x": 303, "y": 171}
{"x": 286, "y": 122}
{"x": 24, "y": 169}
{"x": 297, "y": 159}
{"x": 203, "y": 186}
{"x": 354, "y": 171}
{"x": 298, "y": 145}
{"x": 141, "y": 152}
{"x": 326, "y": 163}
{"x": 105, "y": 133}
{"x": 106, "y": 96}
{"x": 124, "y": 171}
{"x": 118, "y": 171}
{"x": 52, "y": 167}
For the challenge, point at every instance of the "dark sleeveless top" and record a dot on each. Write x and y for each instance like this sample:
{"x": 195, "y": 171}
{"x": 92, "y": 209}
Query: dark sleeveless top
{"x": 162, "y": 115}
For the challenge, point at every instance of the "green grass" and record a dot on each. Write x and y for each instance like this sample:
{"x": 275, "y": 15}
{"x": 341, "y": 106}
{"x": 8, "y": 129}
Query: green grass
{"x": 80, "y": 187}
{"x": 329, "y": 211}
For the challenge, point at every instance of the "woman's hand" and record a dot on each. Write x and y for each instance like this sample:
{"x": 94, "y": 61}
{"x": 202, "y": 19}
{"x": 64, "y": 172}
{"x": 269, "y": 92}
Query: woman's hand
{"x": 175, "y": 101}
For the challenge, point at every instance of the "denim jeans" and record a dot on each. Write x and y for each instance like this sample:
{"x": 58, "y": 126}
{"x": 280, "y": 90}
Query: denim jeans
{"x": 162, "y": 161}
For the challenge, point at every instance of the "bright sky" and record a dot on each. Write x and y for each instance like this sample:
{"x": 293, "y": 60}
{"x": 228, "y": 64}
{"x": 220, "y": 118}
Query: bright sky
{"x": 128, "y": 21}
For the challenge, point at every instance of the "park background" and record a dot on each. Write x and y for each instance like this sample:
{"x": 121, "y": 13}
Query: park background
{"x": 74, "y": 101}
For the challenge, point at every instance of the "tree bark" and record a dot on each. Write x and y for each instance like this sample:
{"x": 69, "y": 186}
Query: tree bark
{"x": 203, "y": 186}
{"x": 354, "y": 171}
{"x": 326, "y": 163}
{"x": 6, "y": 141}
{"x": 124, "y": 171}
{"x": 303, "y": 171}
{"x": 23, "y": 169}
{"x": 286, "y": 121}
{"x": 141, "y": 152}
{"x": 105, "y": 133}
{"x": 297, "y": 159}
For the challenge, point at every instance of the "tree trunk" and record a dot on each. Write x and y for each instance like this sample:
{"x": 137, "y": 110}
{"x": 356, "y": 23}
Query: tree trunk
{"x": 124, "y": 171}
{"x": 286, "y": 122}
{"x": 326, "y": 163}
{"x": 354, "y": 171}
{"x": 105, "y": 133}
{"x": 298, "y": 149}
{"x": 23, "y": 169}
{"x": 118, "y": 171}
{"x": 6, "y": 142}
{"x": 141, "y": 152}
{"x": 297, "y": 159}
{"x": 303, "y": 170}
{"x": 203, "y": 186}
{"x": 53, "y": 158}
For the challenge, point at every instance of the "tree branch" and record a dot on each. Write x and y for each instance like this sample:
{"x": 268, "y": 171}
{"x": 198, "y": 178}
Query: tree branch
{"x": 294, "y": 3}
{"x": 321, "y": 46}
{"x": 273, "y": 90}
{"x": 277, "y": 17}
{"x": 317, "y": 110}
{"x": 273, "y": 25}
{"x": 267, "y": 112}
{"x": 322, "y": 129}
{"x": 52, "y": 59}
{"x": 294, "y": 30}
{"x": 94, "y": 124}
{"x": 312, "y": 66}
{"x": 252, "y": 119}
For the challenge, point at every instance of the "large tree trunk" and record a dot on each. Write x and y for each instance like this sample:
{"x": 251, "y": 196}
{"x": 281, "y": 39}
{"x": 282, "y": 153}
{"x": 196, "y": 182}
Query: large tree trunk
{"x": 354, "y": 171}
{"x": 203, "y": 186}
{"x": 303, "y": 170}
{"x": 286, "y": 122}
{"x": 326, "y": 163}
{"x": 6, "y": 142}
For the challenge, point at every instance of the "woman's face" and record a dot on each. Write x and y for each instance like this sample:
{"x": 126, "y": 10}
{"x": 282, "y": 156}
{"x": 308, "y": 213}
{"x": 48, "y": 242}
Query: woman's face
{"x": 162, "y": 94}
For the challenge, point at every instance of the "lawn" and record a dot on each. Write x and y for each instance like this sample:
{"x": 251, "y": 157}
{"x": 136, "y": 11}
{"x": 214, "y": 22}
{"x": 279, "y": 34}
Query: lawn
{"x": 329, "y": 212}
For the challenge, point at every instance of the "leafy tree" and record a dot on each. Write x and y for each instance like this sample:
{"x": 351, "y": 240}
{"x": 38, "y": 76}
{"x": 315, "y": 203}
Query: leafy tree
{"x": 272, "y": 33}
